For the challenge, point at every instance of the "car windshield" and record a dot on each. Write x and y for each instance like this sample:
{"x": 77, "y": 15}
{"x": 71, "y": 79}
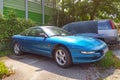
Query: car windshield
{"x": 54, "y": 31}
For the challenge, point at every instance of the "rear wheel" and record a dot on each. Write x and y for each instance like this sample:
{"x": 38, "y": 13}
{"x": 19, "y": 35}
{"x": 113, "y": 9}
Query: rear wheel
{"x": 17, "y": 50}
{"x": 63, "y": 57}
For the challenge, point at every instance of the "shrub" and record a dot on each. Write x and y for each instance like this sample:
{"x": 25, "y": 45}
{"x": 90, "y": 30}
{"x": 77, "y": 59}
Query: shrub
{"x": 5, "y": 52}
{"x": 3, "y": 70}
{"x": 12, "y": 25}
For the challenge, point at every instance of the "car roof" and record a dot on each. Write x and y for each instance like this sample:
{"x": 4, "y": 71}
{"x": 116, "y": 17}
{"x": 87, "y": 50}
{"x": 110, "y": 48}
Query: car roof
{"x": 43, "y": 27}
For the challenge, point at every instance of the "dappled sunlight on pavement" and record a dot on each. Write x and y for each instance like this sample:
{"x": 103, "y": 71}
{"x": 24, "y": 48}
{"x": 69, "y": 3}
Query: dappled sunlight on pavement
{"x": 35, "y": 67}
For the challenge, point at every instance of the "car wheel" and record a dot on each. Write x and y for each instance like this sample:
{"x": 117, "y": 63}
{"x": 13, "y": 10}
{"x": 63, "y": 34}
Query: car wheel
{"x": 17, "y": 50}
{"x": 63, "y": 57}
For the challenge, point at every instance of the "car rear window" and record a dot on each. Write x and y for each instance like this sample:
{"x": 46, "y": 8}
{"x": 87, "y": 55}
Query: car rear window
{"x": 103, "y": 25}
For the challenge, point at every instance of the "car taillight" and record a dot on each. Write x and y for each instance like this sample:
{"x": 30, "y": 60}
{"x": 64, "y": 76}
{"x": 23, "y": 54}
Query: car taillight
{"x": 112, "y": 24}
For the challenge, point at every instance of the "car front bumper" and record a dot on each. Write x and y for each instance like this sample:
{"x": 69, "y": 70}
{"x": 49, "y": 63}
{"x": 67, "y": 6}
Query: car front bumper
{"x": 78, "y": 57}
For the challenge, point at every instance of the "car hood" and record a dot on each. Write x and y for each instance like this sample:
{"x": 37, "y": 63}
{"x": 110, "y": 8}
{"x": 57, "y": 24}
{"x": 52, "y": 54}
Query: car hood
{"x": 81, "y": 41}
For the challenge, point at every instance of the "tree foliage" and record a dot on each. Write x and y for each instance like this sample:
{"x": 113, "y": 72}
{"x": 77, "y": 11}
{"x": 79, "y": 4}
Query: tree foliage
{"x": 79, "y": 10}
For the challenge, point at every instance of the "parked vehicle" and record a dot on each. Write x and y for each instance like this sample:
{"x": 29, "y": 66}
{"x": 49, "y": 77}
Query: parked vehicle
{"x": 59, "y": 44}
{"x": 101, "y": 29}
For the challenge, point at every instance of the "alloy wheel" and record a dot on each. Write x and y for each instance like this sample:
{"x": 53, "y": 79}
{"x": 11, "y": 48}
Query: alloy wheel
{"x": 60, "y": 57}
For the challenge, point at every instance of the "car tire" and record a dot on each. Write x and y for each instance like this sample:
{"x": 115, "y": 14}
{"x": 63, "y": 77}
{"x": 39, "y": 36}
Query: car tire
{"x": 63, "y": 57}
{"x": 17, "y": 50}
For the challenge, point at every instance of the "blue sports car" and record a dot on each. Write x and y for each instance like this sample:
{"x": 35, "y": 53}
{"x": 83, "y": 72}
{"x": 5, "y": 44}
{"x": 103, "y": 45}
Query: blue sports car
{"x": 59, "y": 44}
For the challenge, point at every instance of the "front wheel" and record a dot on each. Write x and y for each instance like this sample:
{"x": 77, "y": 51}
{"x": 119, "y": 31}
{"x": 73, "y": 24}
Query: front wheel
{"x": 17, "y": 50}
{"x": 63, "y": 57}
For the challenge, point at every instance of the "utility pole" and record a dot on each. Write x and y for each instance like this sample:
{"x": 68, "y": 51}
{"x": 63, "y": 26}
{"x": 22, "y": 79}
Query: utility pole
{"x": 43, "y": 13}
{"x": 26, "y": 9}
{"x": 1, "y": 7}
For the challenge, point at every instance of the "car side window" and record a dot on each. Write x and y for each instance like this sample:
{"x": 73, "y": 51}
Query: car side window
{"x": 36, "y": 32}
{"x": 26, "y": 32}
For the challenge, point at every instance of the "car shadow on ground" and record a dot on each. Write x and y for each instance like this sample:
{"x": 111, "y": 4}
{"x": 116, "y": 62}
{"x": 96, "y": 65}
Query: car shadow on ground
{"x": 78, "y": 71}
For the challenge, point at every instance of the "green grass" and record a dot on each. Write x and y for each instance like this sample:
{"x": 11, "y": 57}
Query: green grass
{"x": 110, "y": 60}
{"x": 33, "y": 16}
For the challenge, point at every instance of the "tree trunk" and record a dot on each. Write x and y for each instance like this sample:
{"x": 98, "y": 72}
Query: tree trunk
{"x": 63, "y": 6}
{"x": 92, "y": 17}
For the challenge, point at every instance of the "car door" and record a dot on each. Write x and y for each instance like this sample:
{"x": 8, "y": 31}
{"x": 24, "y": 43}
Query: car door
{"x": 22, "y": 41}
{"x": 36, "y": 42}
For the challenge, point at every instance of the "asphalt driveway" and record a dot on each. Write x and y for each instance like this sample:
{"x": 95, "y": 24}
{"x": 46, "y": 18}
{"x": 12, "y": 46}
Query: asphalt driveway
{"x": 35, "y": 67}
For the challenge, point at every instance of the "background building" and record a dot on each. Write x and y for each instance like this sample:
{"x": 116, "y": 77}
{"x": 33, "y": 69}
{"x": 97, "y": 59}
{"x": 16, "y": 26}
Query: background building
{"x": 34, "y": 9}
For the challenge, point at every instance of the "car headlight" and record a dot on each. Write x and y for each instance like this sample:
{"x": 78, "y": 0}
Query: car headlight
{"x": 87, "y": 52}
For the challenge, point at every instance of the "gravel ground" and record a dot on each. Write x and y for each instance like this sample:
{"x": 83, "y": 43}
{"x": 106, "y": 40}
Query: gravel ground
{"x": 35, "y": 67}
